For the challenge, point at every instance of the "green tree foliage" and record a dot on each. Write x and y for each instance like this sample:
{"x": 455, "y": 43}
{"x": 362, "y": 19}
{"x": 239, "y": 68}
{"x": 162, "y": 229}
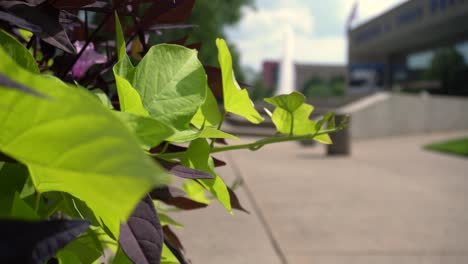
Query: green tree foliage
{"x": 448, "y": 67}
{"x": 211, "y": 17}
{"x": 317, "y": 87}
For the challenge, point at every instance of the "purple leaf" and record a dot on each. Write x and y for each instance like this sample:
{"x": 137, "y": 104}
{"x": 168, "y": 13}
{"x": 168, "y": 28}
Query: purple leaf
{"x": 175, "y": 197}
{"x": 173, "y": 243}
{"x": 18, "y": 21}
{"x": 141, "y": 238}
{"x": 87, "y": 59}
{"x": 45, "y": 19}
{"x": 235, "y": 204}
{"x": 36, "y": 242}
{"x": 184, "y": 172}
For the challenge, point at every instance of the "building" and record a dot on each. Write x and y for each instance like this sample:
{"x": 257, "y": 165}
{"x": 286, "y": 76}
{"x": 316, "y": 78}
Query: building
{"x": 304, "y": 73}
{"x": 418, "y": 45}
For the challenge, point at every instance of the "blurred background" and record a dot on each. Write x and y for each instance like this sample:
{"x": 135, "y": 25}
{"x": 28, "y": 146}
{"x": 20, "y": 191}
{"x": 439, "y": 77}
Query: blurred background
{"x": 393, "y": 187}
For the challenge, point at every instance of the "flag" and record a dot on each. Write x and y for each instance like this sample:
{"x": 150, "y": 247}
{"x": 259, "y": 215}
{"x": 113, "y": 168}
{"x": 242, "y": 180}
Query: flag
{"x": 352, "y": 16}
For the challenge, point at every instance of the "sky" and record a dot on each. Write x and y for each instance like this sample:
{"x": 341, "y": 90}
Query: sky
{"x": 318, "y": 26}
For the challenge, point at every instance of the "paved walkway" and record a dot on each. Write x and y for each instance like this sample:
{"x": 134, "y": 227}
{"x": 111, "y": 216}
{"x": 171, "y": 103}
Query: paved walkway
{"x": 390, "y": 202}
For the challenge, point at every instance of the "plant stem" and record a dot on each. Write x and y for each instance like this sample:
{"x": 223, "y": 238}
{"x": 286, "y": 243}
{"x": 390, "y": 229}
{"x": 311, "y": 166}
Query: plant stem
{"x": 219, "y": 127}
{"x": 291, "y": 132}
{"x": 270, "y": 140}
{"x": 252, "y": 146}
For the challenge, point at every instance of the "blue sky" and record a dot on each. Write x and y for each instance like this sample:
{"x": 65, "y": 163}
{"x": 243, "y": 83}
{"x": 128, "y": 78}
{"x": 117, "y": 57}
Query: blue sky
{"x": 318, "y": 26}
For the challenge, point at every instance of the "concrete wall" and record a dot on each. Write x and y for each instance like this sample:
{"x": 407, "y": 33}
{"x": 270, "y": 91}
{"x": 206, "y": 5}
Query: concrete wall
{"x": 385, "y": 114}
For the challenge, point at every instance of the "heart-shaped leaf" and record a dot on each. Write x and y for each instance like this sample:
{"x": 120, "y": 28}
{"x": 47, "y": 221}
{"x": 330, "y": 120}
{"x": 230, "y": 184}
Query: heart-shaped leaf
{"x": 36, "y": 242}
{"x": 292, "y": 116}
{"x": 141, "y": 238}
{"x": 169, "y": 84}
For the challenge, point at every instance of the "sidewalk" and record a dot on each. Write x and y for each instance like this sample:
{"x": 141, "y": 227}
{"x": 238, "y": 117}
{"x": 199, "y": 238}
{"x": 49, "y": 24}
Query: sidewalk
{"x": 390, "y": 202}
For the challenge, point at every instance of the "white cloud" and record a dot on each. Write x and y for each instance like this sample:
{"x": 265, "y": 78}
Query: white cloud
{"x": 260, "y": 33}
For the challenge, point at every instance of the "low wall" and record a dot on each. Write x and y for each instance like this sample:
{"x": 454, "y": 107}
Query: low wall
{"x": 385, "y": 114}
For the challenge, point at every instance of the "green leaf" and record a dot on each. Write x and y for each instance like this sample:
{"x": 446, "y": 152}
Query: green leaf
{"x": 18, "y": 52}
{"x": 103, "y": 98}
{"x": 198, "y": 157}
{"x": 75, "y": 208}
{"x": 168, "y": 257}
{"x": 167, "y": 220}
{"x": 195, "y": 191}
{"x": 119, "y": 38}
{"x": 130, "y": 100}
{"x": 326, "y": 119}
{"x": 236, "y": 100}
{"x": 28, "y": 189}
{"x": 211, "y": 132}
{"x": 12, "y": 179}
{"x": 184, "y": 135}
{"x": 68, "y": 257}
{"x": 290, "y": 102}
{"x": 80, "y": 147}
{"x": 296, "y": 122}
{"x": 21, "y": 210}
{"x": 172, "y": 84}
{"x": 84, "y": 249}
{"x": 121, "y": 257}
{"x": 169, "y": 84}
{"x": 208, "y": 114}
{"x": 149, "y": 131}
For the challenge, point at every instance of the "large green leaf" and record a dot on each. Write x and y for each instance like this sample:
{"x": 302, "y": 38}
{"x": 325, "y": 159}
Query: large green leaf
{"x": 172, "y": 83}
{"x": 169, "y": 84}
{"x": 236, "y": 100}
{"x": 150, "y": 131}
{"x": 72, "y": 143}
{"x": 198, "y": 157}
{"x": 292, "y": 116}
{"x": 18, "y": 52}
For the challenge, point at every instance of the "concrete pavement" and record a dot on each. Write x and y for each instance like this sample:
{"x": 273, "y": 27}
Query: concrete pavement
{"x": 390, "y": 202}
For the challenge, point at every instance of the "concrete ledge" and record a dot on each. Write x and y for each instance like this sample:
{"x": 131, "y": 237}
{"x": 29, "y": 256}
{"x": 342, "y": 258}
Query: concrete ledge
{"x": 384, "y": 114}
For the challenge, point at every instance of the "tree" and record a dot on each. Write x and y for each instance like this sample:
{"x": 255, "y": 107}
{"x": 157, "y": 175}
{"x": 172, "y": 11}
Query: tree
{"x": 448, "y": 67}
{"x": 211, "y": 17}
